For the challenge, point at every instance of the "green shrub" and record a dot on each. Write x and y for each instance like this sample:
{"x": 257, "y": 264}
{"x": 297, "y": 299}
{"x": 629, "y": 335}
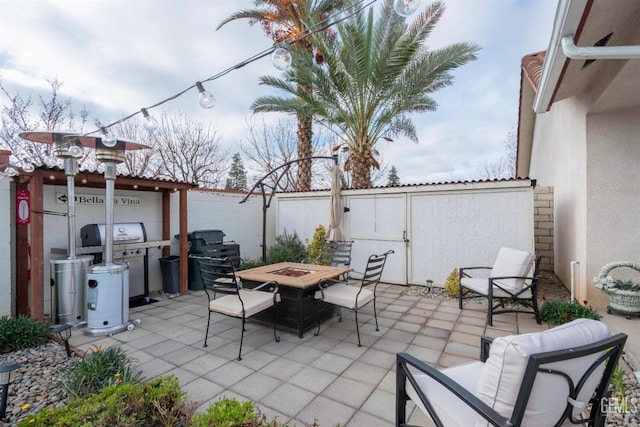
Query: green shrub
{"x": 160, "y": 402}
{"x": 452, "y": 285}
{"x": 18, "y": 333}
{"x": 314, "y": 248}
{"x": 558, "y": 312}
{"x": 251, "y": 263}
{"x": 288, "y": 247}
{"x": 231, "y": 413}
{"x": 98, "y": 369}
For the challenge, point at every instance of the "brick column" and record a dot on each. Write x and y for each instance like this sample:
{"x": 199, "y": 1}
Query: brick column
{"x": 543, "y": 226}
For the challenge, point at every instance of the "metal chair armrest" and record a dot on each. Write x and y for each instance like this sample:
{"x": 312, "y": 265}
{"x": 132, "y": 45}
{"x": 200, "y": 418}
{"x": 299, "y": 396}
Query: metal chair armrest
{"x": 485, "y": 346}
{"x": 481, "y": 408}
{"x": 462, "y": 270}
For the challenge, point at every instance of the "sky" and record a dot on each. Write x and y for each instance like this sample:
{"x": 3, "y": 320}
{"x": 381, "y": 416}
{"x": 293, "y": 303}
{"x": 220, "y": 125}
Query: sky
{"x": 117, "y": 56}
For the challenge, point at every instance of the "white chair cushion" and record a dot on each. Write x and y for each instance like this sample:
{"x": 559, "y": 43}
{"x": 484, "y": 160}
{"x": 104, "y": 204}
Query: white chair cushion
{"x": 504, "y": 370}
{"x": 451, "y": 410}
{"x": 345, "y": 296}
{"x": 481, "y": 286}
{"x": 512, "y": 262}
{"x": 254, "y": 302}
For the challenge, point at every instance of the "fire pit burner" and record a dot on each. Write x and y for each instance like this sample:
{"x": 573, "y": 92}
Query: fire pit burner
{"x": 291, "y": 272}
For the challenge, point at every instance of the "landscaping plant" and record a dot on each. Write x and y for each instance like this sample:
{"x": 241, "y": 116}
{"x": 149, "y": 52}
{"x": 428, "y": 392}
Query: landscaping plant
{"x": 18, "y": 333}
{"x": 288, "y": 247}
{"x": 314, "y": 248}
{"x": 452, "y": 285}
{"x": 160, "y": 402}
{"x": 251, "y": 263}
{"x": 559, "y": 312}
{"x": 98, "y": 369}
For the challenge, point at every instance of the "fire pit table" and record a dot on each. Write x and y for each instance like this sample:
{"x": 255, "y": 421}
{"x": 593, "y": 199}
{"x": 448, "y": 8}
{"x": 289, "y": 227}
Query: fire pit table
{"x": 298, "y": 284}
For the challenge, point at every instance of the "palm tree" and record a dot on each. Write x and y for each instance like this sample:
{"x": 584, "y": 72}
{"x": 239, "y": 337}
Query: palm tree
{"x": 376, "y": 73}
{"x": 287, "y": 20}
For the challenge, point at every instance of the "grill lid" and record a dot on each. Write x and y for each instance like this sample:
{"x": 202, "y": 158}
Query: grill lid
{"x": 126, "y": 232}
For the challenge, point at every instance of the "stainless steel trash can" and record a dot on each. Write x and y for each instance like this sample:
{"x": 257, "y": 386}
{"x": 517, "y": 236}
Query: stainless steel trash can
{"x": 68, "y": 289}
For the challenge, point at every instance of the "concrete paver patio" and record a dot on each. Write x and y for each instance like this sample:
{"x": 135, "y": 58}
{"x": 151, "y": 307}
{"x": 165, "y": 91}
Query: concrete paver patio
{"x": 327, "y": 378}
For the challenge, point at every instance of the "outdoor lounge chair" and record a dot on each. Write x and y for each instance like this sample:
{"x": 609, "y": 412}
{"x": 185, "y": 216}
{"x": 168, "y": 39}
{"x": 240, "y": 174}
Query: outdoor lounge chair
{"x": 342, "y": 294}
{"x": 506, "y": 281}
{"x": 219, "y": 276}
{"x": 536, "y": 379}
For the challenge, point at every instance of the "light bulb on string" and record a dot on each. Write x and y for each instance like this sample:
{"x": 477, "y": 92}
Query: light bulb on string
{"x": 206, "y": 98}
{"x": 405, "y": 8}
{"x": 27, "y": 166}
{"x": 108, "y": 140}
{"x": 50, "y": 159}
{"x": 281, "y": 57}
{"x": 150, "y": 123}
{"x": 11, "y": 170}
{"x": 76, "y": 151}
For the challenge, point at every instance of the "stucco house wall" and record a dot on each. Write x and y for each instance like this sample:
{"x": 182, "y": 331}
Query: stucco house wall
{"x": 559, "y": 159}
{"x": 591, "y": 160}
{"x": 613, "y": 182}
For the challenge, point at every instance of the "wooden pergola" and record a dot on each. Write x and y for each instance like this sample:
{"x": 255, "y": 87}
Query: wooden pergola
{"x": 30, "y": 281}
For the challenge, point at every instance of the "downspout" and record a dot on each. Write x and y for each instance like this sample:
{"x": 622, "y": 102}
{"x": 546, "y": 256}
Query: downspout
{"x": 598, "y": 52}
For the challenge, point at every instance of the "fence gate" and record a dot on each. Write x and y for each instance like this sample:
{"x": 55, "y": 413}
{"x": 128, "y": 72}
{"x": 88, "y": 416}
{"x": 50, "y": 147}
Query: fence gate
{"x": 378, "y": 223}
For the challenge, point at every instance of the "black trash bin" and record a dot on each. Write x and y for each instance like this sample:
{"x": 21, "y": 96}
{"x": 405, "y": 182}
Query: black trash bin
{"x": 170, "y": 267}
{"x": 201, "y": 243}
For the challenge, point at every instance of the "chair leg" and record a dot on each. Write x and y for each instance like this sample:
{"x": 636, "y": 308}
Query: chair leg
{"x": 315, "y": 303}
{"x": 207, "y": 334}
{"x": 357, "y": 328}
{"x": 375, "y": 315}
{"x": 401, "y": 395}
{"x": 275, "y": 323}
{"x": 490, "y": 309}
{"x": 534, "y": 302}
{"x": 459, "y": 296}
{"x": 340, "y": 314}
{"x": 241, "y": 339}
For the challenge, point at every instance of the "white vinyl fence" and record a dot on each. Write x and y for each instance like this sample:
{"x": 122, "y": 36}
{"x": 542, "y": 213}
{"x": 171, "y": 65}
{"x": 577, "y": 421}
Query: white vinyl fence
{"x": 432, "y": 229}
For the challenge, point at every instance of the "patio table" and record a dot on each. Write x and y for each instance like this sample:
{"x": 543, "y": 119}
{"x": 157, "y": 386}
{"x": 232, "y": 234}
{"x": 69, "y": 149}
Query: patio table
{"x": 298, "y": 284}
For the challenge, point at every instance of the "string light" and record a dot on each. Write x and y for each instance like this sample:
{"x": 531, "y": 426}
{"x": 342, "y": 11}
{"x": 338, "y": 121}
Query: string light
{"x": 11, "y": 170}
{"x": 150, "y": 123}
{"x": 50, "y": 159}
{"x": 405, "y": 8}
{"x": 206, "y": 98}
{"x": 281, "y": 57}
{"x": 108, "y": 140}
{"x": 76, "y": 151}
{"x": 27, "y": 166}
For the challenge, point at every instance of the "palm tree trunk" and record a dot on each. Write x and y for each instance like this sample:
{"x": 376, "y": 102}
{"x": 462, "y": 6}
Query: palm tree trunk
{"x": 305, "y": 135}
{"x": 361, "y": 170}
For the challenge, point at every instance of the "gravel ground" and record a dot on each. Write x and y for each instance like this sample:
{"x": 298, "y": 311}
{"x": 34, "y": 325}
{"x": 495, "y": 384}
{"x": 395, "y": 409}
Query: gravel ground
{"x": 38, "y": 383}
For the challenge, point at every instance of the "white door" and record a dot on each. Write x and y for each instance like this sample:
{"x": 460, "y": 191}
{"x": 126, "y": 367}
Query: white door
{"x": 378, "y": 224}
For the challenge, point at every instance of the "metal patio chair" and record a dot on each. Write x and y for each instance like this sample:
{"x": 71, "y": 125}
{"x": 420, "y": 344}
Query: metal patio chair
{"x": 506, "y": 281}
{"x": 553, "y": 378}
{"x": 342, "y": 294}
{"x": 218, "y": 276}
